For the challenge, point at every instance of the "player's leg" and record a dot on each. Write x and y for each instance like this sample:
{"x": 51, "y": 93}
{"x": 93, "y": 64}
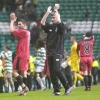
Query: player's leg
{"x": 38, "y": 78}
{"x": 11, "y": 84}
{"x": 6, "y": 82}
{"x": 89, "y": 72}
{"x": 21, "y": 65}
{"x": 89, "y": 79}
{"x": 68, "y": 74}
{"x": 83, "y": 62}
{"x": 53, "y": 76}
{"x": 24, "y": 75}
{"x": 18, "y": 78}
{"x": 43, "y": 79}
{"x": 80, "y": 77}
{"x": 74, "y": 78}
{"x": 57, "y": 70}
{"x": 11, "y": 81}
{"x": 86, "y": 79}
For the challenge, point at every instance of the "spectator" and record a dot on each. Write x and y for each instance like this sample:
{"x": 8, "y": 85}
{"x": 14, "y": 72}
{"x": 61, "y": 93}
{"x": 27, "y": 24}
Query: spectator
{"x": 40, "y": 62}
{"x": 95, "y": 66}
{"x": 1, "y": 5}
{"x": 31, "y": 14}
{"x": 42, "y": 13}
{"x": 87, "y": 15}
{"x": 7, "y": 54}
{"x": 99, "y": 71}
{"x": 68, "y": 31}
{"x": 35, "y": 3}
{"x": 32, "y": 25}
{"x": 70, "y": 21}
{"x": 34, "y": 35}
{"x": 1, "y": 77}
{"x": 30, "y": 72}
{"x": 98, "y": 57}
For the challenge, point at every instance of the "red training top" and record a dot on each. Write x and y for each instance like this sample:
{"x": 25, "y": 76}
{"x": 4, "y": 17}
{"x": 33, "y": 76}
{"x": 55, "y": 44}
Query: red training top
{"x": 23, "y": 45}
{"x": 86, "y": 47}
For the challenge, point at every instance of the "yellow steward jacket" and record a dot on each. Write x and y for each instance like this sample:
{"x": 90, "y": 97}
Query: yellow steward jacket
{"x": 95, "y": 64}
{"x": 31, "y": 64}
{"x": 1, "y": 69}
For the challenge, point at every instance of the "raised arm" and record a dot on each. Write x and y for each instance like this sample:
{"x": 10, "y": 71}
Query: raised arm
{"x": 12, "y": 21}
{"x": 46, "y": 15}
{"x": 57, "y": 15}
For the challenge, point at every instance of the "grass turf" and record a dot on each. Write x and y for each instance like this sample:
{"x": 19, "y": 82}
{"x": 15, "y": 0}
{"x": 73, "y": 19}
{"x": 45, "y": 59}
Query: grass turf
{"x": 77, "y": 94}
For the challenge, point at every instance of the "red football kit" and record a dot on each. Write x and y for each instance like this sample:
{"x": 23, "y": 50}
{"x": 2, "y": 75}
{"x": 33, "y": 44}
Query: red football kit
{"x": 85, "y": 47}
{"x": 21, "y": 60}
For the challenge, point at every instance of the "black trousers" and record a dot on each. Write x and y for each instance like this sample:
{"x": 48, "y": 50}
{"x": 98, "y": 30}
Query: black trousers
{"x": 94, "y": 74}
{"x": 29, "y": 81}
{"x": 56, "y": 72}
{"x": 48, "y": 82}
{"x": 68, "y": 75}
{"x": 99, "y": 75}
{"x": 16, "y": 85}
{"x": 1, "y": 84}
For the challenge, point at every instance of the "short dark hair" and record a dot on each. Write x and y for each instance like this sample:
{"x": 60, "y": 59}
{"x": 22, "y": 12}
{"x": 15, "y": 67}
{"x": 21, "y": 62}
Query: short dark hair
{"x": 23, "y": 21}
{"x": 89, "y": 34}
{"x": 7, "y": 47}
{"x": 40, "y": 43}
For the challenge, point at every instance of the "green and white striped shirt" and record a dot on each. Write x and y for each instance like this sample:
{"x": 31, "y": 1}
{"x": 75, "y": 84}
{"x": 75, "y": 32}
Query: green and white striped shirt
{"x": 40, "y": 57}
{"x": 8, "y": 60}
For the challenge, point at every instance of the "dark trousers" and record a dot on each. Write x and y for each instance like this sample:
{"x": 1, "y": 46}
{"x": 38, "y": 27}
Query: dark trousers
{"x": 48, "y": 82}
{"x": 35, "y": 83}
{"x": 16, "y": 85}
{"x": 1, "y": 84}
{"x": 68, "y": 75}
{"x": 99, "y": 75}
{"x": 94, "y": 74}
{"x": 29, "y": 81}
{"x": 56, "y": 72}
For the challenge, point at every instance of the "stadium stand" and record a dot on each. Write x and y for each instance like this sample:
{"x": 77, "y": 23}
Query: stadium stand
{"x": 74, "y": 9}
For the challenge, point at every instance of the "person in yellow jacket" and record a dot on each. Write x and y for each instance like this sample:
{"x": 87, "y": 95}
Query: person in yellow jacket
{"x": 1, "y": 77}
{"x": 30, "y": 72}
{"x": 73, "y": 62}
{"x": 95, "y": 66}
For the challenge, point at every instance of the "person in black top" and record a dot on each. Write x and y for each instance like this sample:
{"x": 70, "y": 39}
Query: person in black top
{"x": 55, "y": 48}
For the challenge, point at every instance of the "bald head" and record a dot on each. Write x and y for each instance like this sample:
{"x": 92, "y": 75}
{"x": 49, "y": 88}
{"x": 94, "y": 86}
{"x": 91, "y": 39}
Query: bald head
{"x": 73, "y": 39}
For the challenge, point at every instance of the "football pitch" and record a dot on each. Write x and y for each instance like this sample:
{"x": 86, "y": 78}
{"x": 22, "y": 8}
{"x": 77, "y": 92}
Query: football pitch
{"x": 77, "y": 94}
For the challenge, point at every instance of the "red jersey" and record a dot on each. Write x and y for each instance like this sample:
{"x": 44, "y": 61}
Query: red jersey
{"x": 86, "y": 47}
{"x": 23, "y": 45}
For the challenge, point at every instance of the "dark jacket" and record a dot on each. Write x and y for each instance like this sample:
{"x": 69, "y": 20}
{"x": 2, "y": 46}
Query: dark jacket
{"x": 55, "y": 38}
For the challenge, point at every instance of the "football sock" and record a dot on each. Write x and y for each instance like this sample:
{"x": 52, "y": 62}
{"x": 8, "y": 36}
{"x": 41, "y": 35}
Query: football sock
{"x": 86, "y": 81}
{"x": 80, "y": 77}
{"x": 12, "y": 86}
{"x": 20, "y": 81}
{"x": 39, "y": 80}
{"x": 89, "y": 80}
{"x": 43, "y": 80}
{"x": 25, "y": 80}
{"x": 6, "y": 88}
{"x": 74, "y": 80}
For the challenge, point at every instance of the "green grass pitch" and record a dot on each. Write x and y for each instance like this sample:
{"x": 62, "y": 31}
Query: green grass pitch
{"x": 77, "y": 94}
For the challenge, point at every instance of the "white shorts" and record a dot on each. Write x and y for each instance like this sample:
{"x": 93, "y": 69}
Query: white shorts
{"x": 7, "y": 74}
{"x": 39, "y": 69}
